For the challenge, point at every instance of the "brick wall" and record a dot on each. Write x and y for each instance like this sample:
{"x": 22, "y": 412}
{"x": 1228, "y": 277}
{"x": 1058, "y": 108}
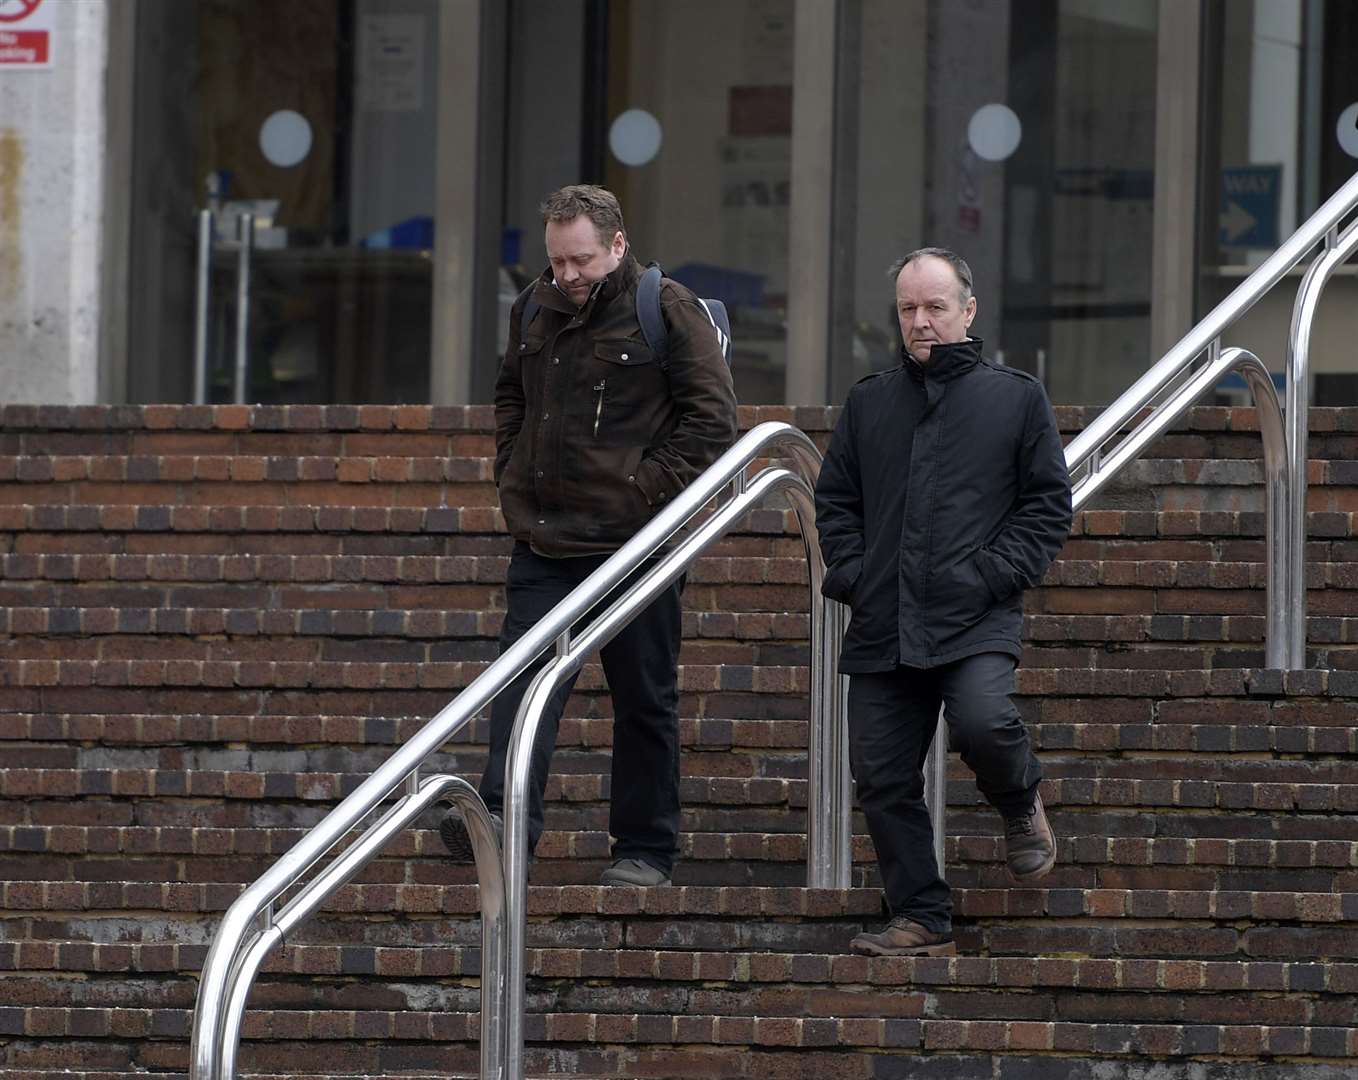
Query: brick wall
{"x": 214, "y": 622}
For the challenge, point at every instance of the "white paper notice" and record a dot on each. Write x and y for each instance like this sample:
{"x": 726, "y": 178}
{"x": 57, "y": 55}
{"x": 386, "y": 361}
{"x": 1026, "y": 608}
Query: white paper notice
{"x": 391, "y": 63}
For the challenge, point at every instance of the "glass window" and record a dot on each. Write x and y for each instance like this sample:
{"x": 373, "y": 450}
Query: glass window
{"x": 1283, "y": 100}
{"x": 318, "y": 120}
{"x": 1022, "y": 136}
{"x": 687, "y": 117}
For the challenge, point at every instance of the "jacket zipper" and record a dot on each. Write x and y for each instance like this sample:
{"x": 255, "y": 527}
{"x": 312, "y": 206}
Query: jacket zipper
{"x": 599, "y": 407}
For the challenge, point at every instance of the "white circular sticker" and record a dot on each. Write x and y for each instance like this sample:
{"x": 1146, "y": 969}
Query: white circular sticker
{"x": 994, "y": 132}
{"x": 285, "y": 138}
{"x": 1347, "y": 130}
{"x": 634, "y": 137}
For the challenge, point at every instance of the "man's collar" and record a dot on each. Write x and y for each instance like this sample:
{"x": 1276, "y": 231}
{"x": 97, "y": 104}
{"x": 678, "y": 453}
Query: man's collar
{"x": 946, "y": 361}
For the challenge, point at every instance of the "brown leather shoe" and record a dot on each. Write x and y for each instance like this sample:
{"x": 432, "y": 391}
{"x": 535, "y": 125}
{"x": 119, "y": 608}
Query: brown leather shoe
{"x": 904, "y": 937}
{"x": 1029, "y": 845}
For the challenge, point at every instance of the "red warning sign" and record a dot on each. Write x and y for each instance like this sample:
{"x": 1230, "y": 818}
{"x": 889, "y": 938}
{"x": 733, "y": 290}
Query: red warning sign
{"x": 26, "y": 34}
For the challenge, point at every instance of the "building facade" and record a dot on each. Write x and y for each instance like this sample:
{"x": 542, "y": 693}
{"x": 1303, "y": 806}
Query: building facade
{"x": 1110, "y": 168}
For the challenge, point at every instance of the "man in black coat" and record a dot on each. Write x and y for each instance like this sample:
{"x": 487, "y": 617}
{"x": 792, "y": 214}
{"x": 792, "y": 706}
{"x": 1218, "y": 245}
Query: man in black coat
{"x": 944, "y": 495}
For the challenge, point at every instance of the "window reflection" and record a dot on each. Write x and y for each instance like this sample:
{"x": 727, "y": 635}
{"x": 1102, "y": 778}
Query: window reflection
{"x": 319, "y": 121}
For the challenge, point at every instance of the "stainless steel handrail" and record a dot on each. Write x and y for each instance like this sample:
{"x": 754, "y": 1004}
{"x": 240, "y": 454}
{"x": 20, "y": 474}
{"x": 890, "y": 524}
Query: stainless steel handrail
{"x": 1277, "y": 481}
{"x": 231, "y": 964}
{"x": 1286, "y": 556}
{"x": 490, "y": 876}
{"x": 571, "y": 655}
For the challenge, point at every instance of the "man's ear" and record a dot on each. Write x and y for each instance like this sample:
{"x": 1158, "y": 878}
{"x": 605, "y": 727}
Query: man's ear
{"x": 619, "y": 245}
{"x": 971, "y": 310}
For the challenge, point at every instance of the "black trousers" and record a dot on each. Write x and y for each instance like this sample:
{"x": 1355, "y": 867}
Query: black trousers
{"x": 641, "y": 666}
{"x": 892, "y": 719}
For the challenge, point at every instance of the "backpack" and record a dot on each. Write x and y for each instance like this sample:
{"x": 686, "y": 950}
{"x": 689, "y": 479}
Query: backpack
{"x": 652, "y": 320}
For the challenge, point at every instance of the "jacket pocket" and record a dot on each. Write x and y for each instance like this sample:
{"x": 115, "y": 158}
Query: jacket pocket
{"x": 841, "y": 580}
{"x": 997, "y": 574}
{"x": 958, "y": 596}
{"x": 628, "y": 394}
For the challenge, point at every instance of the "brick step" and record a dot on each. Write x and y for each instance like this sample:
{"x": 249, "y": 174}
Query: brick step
{"x": 709, "y": 775}
{"x": 339, "y": 522}
{"x": 715, "y": 859}
{"x": 1269, "y": 838}
{"x": 1219, "y": 726}
{"x": 407, "y": 688}
{"x": 1092, "y": 975}
{"x": 659, "y": 983}
{"x": 1054, "y": 640}
{"x": 427, "y": 460}
{"x": 1148, "y": 855}
{"x": 1111, "y": 922}
{"x": 85, "y": 579}
{"x": 739, "y": 1061}
{"x": 708, "y": 800}
{"x": 366, "y": 1041}
{"x": 1083, "y": 819}
{"x": 268, "y": 687}
{"x": 1197, "y": 645}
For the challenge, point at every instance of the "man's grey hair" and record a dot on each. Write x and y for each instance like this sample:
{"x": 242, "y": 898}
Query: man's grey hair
{"x": 958, "y": 264}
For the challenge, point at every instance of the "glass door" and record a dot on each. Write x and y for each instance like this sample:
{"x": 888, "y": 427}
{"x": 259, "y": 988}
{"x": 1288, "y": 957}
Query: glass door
{"x": 315, "y": 122}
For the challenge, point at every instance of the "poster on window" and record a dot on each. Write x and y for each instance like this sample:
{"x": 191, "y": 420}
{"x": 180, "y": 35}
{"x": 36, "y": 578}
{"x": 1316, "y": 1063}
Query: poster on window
{"x": 391, "y": 63}
{"x": 756, "y": 185}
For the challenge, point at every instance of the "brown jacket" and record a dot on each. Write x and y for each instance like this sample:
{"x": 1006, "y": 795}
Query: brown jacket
{"x": 592, "y": 437}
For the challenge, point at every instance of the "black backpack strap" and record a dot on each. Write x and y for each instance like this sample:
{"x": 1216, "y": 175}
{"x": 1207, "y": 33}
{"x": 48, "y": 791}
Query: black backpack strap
{"x": 650, "y": 316}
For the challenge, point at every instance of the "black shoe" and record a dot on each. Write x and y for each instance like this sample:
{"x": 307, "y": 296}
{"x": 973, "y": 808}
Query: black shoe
{"x": 456, "y": 838}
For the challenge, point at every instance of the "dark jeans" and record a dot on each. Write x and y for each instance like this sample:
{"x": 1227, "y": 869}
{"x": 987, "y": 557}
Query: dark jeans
{"x": 892, "y": 719}
{"x": 641, "y": 666}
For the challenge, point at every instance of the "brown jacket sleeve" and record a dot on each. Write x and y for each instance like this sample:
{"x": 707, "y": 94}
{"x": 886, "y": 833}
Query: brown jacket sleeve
{"x": 704, "y": 400}
{"x": 509, "y": 395}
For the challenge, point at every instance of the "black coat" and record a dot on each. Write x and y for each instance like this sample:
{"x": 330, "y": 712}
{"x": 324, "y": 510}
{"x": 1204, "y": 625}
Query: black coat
{"x": 944, "y": 495}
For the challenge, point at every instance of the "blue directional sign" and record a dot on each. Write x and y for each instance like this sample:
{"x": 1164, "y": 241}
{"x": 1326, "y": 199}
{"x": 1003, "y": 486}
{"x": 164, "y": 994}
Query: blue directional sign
{"x": 1249, "y": 206}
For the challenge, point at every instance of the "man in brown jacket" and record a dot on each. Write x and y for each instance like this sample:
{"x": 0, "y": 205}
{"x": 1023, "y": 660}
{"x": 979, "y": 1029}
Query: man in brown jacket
{"x": 593, "y": 435}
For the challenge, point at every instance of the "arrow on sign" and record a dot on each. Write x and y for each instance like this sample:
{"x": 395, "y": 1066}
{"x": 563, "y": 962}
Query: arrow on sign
{"x": 1235, "y": 221}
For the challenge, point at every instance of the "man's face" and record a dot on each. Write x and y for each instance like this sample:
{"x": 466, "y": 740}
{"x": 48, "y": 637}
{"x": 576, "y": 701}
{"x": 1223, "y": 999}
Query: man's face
{"x": 578, "y": 257}
{"x": 929, "y": 306}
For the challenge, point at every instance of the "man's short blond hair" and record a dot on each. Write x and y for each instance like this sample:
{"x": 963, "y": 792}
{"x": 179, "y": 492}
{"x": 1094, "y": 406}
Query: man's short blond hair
{"x": 596, "y": 203}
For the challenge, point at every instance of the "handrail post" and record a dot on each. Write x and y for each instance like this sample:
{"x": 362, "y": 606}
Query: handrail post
{"x": 202, "y": 309}
{"x": 936, "y": 789}
{"x": 1297, "y": 414}
{"x": 243, "y": 255}
{"x": 542, "y": 688}
{"x": 829, "y": 858}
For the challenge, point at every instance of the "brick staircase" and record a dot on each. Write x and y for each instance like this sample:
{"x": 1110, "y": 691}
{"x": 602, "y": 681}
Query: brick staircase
{"x": 214, "y": 622}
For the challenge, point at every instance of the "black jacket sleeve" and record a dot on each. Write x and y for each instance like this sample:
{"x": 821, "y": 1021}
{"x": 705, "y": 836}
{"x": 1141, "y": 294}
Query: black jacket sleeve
{"x": 1040, "y": 523}
{"x": 839, "y": 510}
